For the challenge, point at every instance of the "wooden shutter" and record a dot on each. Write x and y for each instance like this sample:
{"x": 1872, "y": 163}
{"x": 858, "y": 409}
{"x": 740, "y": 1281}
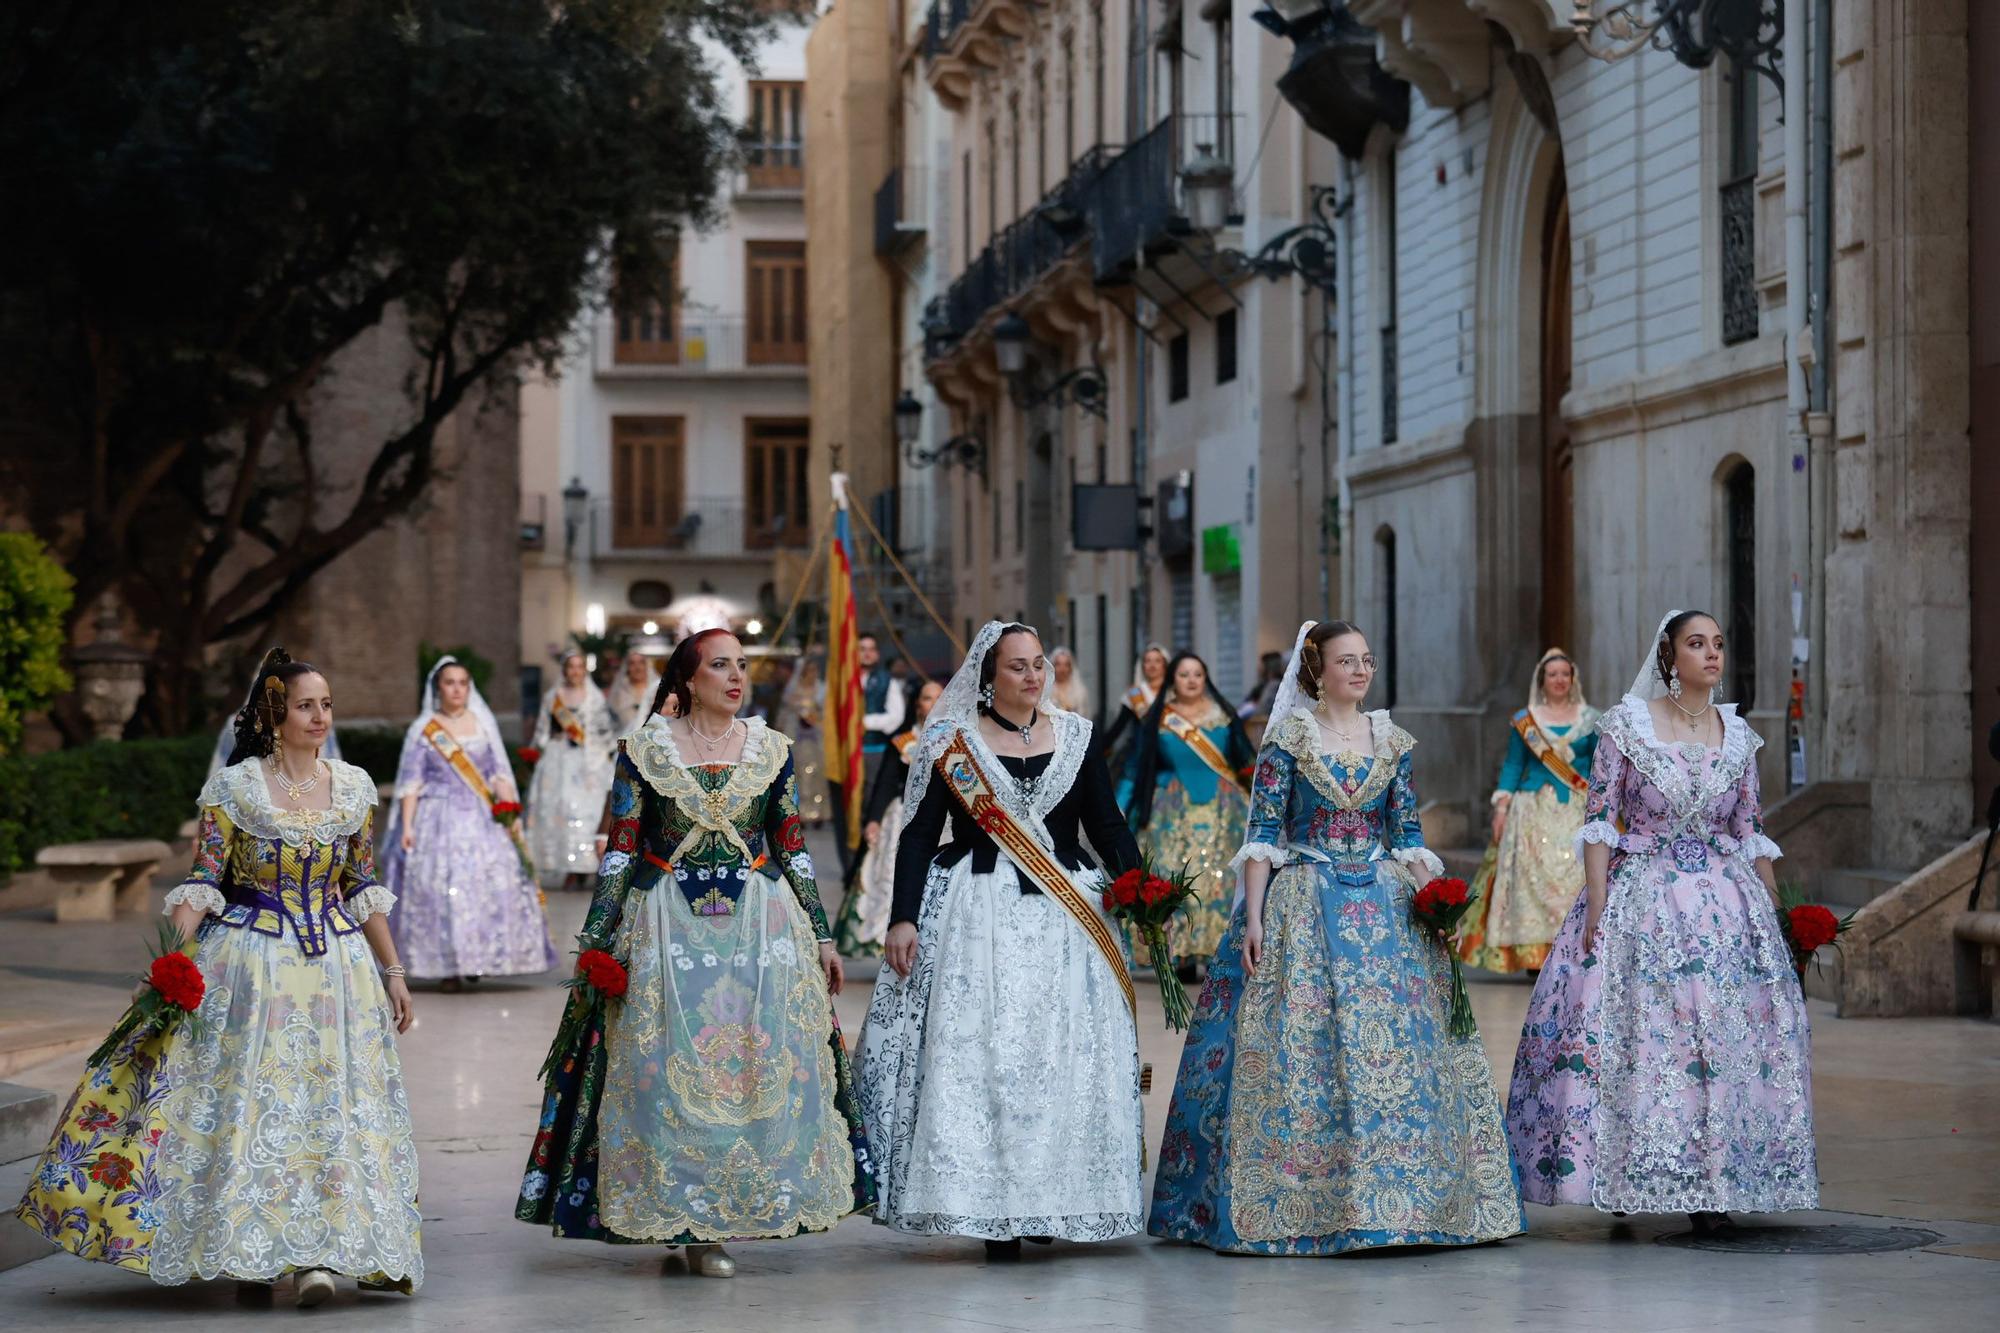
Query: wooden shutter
{"x": 777, "y": 497}
{"x": 776, "y": 319}
{"x": 774, "y": 151}
{"x": 647, "y": 457}
{"x": 649, "y": 331}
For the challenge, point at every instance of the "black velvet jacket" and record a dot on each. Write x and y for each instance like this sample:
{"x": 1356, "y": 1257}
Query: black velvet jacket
{"x": 1087, "y": 809}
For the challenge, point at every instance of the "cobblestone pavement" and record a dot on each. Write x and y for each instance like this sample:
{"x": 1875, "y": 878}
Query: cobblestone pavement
{"x": 1909, "y": 1125}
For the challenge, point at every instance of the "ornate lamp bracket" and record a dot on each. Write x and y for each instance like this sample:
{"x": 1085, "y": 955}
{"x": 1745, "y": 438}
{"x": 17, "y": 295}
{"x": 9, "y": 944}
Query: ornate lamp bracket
{"x": 1694, "y": 32}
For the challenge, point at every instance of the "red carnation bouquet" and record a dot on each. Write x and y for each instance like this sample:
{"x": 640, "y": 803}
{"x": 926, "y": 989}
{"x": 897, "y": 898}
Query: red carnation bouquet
{"x": 1808, "y": 926}
{"x": 1148, "y": 900}
{"x": 529, "y": 755}
{"x": 174, "y": 988}
{"x": 599, "y": 977}
{"x": 506, "y": 812}
{"x": 1439, "y": 906}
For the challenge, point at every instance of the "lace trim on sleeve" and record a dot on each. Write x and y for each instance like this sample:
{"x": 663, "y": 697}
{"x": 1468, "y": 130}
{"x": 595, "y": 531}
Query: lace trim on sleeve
{"x": 197, "y": 893}
{"x": 369, "y": 902}
{"x": 414, "y": 787}
{"x": 1260, "y": 851}
{"x": 1599, "y": 831}
{"x": 1419, "y": 858}
{"x": 1757, "y": 845}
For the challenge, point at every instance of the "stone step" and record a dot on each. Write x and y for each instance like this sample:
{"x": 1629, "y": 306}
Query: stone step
{"x": 18, "y": 1245}
{"x": 1850, "y": 887}
{"x": 1460, "y": 861}
{"x": 27, "y": 1115}
{"x": 26, "y": 1043}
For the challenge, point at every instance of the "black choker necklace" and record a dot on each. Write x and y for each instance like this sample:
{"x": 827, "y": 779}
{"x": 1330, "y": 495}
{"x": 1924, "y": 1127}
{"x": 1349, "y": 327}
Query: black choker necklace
{"x": 1026, "y": 731}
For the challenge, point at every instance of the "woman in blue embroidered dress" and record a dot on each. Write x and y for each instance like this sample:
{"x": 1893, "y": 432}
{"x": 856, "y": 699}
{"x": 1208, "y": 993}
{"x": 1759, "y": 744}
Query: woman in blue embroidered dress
{"x": 273, "y": 1137}
{"x": 1665, "y": 1065}
{"x": 1322, "y": 1103}
{"x": 713, "y": 1101}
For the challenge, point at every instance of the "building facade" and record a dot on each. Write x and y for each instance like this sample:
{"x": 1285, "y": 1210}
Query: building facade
{"x": 669, "y": 464}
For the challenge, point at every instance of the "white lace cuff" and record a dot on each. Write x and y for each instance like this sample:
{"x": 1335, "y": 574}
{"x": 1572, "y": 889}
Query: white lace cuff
{"x": 414, "y": 787}
{"x": 370, "y": 901}
{"x": 1757, "y": 845}
{"x": 1600, "y": 831}
{"x": 1260, "y": 851}
{"x": 197, "y": 893}
{"x": 614, "y": 863}
{"x": 1499, "y": 796}
{"x": 1421, "y": 859}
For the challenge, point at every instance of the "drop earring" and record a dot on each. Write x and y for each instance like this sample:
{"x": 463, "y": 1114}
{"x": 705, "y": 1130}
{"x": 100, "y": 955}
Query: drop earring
{"x": 1674, "y": 683}
{"x": 986, "y": 695}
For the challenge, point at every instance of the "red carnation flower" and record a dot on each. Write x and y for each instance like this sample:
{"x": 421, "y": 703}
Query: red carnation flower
{"x": 602, "y": 971}
{"x": 529, "y": 754}
{"x": 178, "y": 980}
{"x": 1813, "y": 926}
{"x": 1441, "y": 894}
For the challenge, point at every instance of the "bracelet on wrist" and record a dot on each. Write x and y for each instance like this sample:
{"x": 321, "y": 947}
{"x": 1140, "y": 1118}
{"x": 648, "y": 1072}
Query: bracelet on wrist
{"x": 394, "y": 970}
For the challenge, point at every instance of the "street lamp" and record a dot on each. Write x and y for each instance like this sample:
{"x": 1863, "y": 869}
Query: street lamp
{"x": 1206, "y": 186}
{"x": 1010, "y": 343}
{"x": 1694, "y": 32}
{"x": 1305, "y": 251}
{"x": 1335, "y": 82}
{"x": 909, "y": 415}
{"x": 576, "y": 499}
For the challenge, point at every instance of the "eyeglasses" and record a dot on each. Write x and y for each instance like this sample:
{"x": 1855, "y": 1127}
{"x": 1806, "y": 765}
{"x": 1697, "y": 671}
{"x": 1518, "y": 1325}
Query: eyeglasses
{"x": 1352, "y": 663}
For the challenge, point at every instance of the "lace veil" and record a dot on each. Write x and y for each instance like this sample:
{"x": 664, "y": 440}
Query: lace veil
{"x": 1291, "y": 695}
{"x": 955, "y": 710}
{"x": 1536, "y": 698}
{"x": 413, "y": 739}
{"x": 1647, "y": 684}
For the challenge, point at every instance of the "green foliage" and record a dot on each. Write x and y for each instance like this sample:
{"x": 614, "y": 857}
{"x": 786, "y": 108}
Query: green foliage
{"x": 34, "y": 598}
{"x": 428, "y": 654}
{"x": 376, "y": 749}
{"x": 112, "y": 789}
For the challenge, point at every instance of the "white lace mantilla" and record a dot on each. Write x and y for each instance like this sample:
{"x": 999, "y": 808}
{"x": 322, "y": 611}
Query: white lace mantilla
{"x": 1072, "y": 735}
{"x": 241, "y": 792}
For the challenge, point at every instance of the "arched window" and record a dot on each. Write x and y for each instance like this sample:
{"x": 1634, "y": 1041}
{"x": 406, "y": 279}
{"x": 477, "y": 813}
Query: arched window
{"x": 1385, "y": 592}
{"x": 1739, "y": 489}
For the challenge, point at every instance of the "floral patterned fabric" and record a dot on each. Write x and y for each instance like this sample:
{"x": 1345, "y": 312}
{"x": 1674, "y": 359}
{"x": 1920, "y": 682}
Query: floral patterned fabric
{"x": 1530, "y": 875}
{"x": 1196, "y": 822}
{"x": 278, "y": 1137}
{"x": 1664, "y": 1067}
{"x": 1322, "y": 1104}
{"x": 467, "y": 908}
{"x": 715, "y": 1099}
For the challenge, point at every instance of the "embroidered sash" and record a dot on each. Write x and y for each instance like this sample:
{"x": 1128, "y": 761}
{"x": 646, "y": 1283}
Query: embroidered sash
{"x": 969, "y": 786}
{"x": 447, "y": 746}
{"x": 1204, "y": 749}
{"x": 1137, "y": 700}
{"x": 1554, "y": 758}
{"x": 904, "y": 744}
{"x": 566, "y": 718}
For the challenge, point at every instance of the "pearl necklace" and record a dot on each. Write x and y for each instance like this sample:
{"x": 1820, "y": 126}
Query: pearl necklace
{"x": 295, "y": 790}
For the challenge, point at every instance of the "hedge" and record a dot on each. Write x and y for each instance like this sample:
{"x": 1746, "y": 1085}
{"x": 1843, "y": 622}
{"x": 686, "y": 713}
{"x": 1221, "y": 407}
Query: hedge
{"x": 113, "y": 789}
{"x": 138, "y": 788}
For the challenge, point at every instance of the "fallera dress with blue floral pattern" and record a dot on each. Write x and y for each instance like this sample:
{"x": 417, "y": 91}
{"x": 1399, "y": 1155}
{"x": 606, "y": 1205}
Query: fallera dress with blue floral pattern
{"x": 1322, "y": 1103}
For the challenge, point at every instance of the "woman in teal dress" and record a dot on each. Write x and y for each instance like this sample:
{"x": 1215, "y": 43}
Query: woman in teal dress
{"x": 1186, "y": 795}
{"x": 1322, "y": 1104}
{"x": 714, "y": 1100}
{"x": 1529, "y": 876}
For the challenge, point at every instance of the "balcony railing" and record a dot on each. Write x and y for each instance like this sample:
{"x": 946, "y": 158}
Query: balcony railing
{"x": 1015, "y": 259}
{"x": 898, "y": 210}
{"x": 694, "y": 342}
{"x": 703, "y": 528}
{"x": 1134, "y": 203}
{"x": 775, "y": 166}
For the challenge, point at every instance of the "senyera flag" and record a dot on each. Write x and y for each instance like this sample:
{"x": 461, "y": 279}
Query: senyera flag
{"x": 842, "y": 741}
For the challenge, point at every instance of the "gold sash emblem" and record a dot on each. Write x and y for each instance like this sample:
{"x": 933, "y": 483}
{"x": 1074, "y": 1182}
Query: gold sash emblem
{"x": 969, "y": 786}
{"x": 566, "y": 718}
{"x": 1553, "y": 757}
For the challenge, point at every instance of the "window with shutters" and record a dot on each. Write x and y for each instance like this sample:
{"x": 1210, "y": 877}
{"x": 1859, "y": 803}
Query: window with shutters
{"x": 647, "y": 481}
{"x": 648, "y": 329}
{"x": 776, "y": 498}
{"x": 776, "y": 317}
{"x": 774, "y": 149}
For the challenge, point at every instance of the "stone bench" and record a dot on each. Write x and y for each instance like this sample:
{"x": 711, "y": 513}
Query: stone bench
{"x": 97, "y": 880}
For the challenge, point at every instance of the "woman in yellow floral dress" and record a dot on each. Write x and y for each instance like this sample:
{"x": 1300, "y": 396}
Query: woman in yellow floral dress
{"x": 271, "y": 1136}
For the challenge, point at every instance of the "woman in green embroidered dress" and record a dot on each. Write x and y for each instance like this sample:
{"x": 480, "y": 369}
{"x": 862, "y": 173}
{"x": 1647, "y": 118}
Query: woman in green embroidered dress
{"x": 713, "y": 1100}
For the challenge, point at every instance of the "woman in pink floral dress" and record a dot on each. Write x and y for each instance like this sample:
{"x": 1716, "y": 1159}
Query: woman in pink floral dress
{"x": 1664, "y": 1065}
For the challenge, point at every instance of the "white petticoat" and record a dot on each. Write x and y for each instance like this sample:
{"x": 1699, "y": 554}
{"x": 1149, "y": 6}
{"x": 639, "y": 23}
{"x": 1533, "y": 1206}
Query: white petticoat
{"x": 1000, "y": 1080}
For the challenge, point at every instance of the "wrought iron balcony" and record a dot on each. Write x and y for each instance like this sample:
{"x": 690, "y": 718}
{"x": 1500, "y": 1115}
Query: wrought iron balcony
{"x": 1133, "y": 204}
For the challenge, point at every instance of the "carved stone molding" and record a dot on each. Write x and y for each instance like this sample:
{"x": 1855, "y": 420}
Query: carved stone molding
{"x": 1439, "y": 46}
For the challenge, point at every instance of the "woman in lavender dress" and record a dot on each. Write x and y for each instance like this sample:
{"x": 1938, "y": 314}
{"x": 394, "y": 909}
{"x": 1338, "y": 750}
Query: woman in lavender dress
{"x": 1664, "y": 1064}
{"x": 468, "y": 905}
